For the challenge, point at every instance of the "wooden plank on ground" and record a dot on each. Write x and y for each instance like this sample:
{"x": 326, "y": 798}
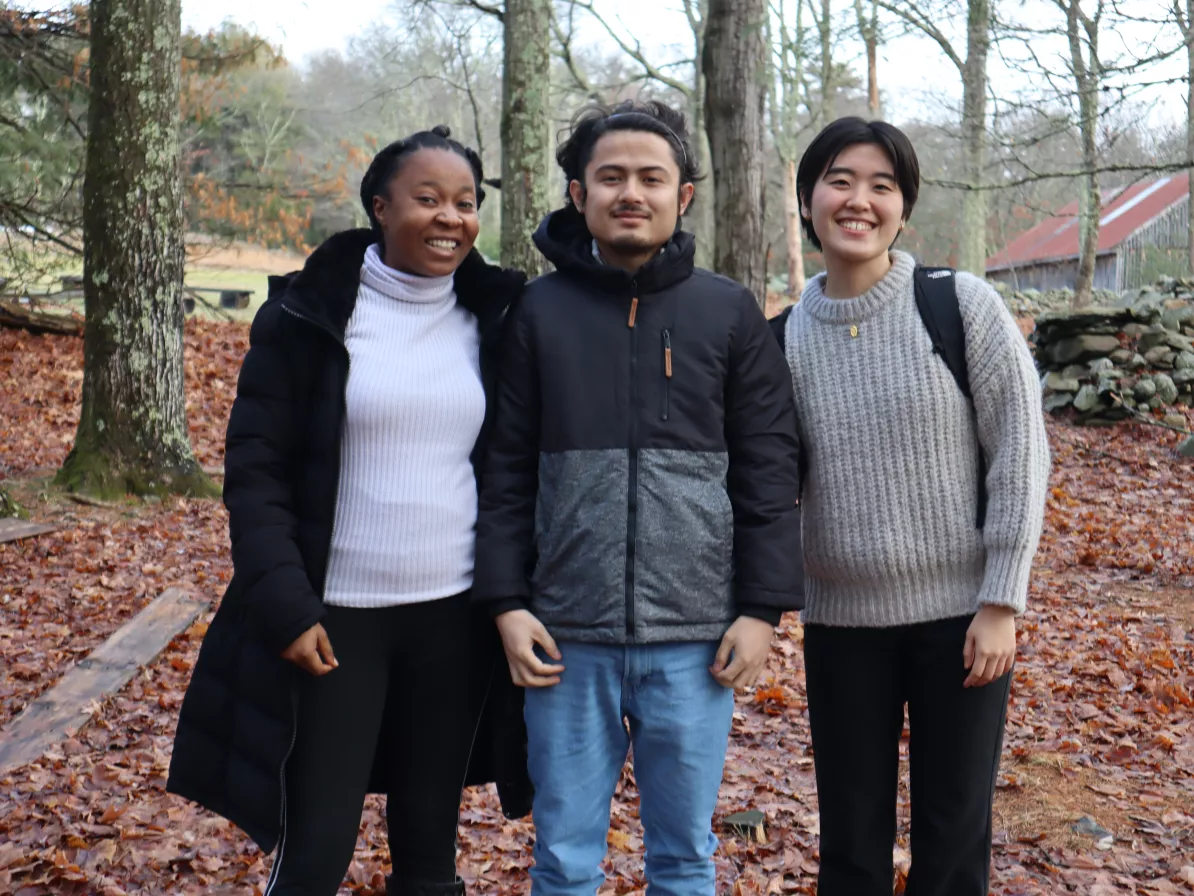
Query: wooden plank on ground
{"x": 69, "y": 704}
{"x": 15, "y": 530}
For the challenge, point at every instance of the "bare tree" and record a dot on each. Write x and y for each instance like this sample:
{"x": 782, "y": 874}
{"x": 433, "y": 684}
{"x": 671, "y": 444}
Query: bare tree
{"x": 1185, "y": 21}
{"x": 924, "y": 16}
{"x": 868, "y": 30}
{"x": 1082, "y": 35}
{"x": 821, "y": 11}
{"x": 132, "y": 435}
{"x": 787, "y": 94}
{"x": 734, "y": 64}
{"x": 526, "y": 111}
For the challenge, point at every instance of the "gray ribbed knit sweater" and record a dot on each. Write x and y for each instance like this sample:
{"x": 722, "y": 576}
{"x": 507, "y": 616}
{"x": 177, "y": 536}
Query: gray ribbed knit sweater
{"x": 889, "y": 498}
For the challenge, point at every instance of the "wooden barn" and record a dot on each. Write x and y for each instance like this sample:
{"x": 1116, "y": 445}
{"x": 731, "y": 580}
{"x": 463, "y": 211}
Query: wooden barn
{"x": 1143, "y": 235}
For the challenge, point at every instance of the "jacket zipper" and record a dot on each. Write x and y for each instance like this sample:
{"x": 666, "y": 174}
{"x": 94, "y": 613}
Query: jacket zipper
{"x": 282, "y": 780}
{"x": 667, "y": 372}
{"x": 632, "y": 478}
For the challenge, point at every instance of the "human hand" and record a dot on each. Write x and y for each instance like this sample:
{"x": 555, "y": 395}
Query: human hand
{"x": 990, "y": 645}
{"x": 749, "y": 641}
{"x": 520, "y": 632}
{"x": 312, "y": 651}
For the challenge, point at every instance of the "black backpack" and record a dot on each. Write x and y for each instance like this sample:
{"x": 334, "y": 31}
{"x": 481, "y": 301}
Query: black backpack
{"x": 937, "y": 302}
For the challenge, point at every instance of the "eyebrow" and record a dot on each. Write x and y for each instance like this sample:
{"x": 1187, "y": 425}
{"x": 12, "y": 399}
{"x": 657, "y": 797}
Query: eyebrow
{"x": 471, "y": 188}
{"x": 613, "y": 167}
{"x": 850, "y": 171}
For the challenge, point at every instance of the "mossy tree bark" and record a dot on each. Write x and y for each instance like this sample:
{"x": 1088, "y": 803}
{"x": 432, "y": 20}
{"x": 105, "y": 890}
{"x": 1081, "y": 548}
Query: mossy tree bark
{"x": 526, "y": 111}
{"x": 735, "y": 69}
{"x": 8, "y": 507}
{"x": 132, "y": 435}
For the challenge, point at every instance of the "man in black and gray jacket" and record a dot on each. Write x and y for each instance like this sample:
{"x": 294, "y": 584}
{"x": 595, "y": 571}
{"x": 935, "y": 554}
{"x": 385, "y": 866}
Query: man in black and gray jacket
{"x": 638, "y": 536}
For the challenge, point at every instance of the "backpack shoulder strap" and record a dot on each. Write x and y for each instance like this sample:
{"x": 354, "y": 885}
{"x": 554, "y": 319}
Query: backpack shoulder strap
{"x": 937, "y": 302}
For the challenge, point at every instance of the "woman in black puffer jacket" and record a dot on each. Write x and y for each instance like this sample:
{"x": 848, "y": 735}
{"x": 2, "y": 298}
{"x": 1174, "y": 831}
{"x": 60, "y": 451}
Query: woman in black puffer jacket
{"x": 344, "y": 657}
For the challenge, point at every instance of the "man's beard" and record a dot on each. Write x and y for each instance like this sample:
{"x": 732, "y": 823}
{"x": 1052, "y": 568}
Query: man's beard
{"x": 633, "y": 242}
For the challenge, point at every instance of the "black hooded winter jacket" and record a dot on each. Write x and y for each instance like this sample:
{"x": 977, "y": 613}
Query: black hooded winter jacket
{"x": 642, "y": 476}
{"x": 282, "y": 461}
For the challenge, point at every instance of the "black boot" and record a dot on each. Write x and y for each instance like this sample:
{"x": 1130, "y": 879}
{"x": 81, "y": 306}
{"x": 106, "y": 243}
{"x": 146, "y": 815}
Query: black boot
{"x": 423, "y": 888}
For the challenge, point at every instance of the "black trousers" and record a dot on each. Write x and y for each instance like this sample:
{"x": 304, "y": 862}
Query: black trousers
{"x": 859, "y": 680}
{"x": 409, "y": 665}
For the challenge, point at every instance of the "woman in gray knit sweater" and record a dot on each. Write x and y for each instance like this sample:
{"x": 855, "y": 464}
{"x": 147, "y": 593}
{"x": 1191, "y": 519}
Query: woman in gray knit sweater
{"x": 908, "y": 602}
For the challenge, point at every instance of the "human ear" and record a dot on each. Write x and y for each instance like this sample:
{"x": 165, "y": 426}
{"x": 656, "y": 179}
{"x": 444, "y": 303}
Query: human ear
{"x": 576, "y": 190}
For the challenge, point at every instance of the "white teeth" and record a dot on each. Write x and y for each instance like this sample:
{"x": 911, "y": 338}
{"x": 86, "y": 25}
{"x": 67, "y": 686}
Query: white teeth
{"x": 857, "y": 225}
{"x": 443, "y": 244}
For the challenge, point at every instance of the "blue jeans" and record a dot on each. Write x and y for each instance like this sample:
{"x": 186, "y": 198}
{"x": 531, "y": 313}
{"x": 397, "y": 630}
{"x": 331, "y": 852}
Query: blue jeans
{"x": 577, "y": 742}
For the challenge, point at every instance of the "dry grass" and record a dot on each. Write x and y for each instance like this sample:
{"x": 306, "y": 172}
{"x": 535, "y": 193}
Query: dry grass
{"x": 1052, "y": 793}
{"x": 240, "y": 257}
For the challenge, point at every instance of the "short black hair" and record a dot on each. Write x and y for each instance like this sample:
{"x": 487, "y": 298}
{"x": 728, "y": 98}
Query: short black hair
{"x": 593, "y": 122}
{"x": 842, "y": 134}
{"x": 387, "y": 163}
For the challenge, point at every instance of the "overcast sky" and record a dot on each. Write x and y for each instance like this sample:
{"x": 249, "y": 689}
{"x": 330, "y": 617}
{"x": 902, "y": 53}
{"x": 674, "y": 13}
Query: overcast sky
{"x": 913, "y": 72}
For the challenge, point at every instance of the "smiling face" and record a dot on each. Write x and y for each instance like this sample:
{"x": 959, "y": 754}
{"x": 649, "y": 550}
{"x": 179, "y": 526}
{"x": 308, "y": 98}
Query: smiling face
{"x": 856, "y": 207}
{"x": 429, "y": 214}
{"x": 632, "y": 196}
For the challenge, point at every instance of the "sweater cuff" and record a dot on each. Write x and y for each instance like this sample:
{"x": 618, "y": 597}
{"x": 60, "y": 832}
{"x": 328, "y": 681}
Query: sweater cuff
{"x": 770, "y": 615}
{"x": 1005, "y": 579}
{"x": 501, "y": 605}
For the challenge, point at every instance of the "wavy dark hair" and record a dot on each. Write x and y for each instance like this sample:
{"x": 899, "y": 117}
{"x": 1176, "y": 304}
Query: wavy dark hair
{"x": 592, "y": 122}
{"x": 387, "y": 163}
{"x": 840, "y": 135}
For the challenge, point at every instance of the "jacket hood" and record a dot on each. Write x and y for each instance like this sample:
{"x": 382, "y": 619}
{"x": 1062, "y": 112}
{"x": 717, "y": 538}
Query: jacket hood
{"x": 565, "y": 241}
{"x": 325, "y": 290}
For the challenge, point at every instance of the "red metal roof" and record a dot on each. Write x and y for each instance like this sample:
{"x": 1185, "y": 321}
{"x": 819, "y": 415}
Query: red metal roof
{"x": 1057, "y": 237}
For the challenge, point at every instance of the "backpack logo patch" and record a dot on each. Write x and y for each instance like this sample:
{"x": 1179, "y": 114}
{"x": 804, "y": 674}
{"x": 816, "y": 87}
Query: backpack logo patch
{"x": 937, "y": 275}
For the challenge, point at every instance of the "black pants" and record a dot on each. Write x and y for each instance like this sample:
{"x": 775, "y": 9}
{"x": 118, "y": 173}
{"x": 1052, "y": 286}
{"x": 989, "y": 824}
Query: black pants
{"x": 408, "y": 665}
{"x": 858, "y": 682}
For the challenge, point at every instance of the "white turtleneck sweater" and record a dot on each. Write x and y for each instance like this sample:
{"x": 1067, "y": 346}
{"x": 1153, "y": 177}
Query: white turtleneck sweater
{"x": 889, "y": 498}
{"x": 407, "y": 502}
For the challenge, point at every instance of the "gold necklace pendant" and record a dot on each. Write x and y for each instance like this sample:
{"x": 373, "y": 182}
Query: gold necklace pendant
{"x": 854, "y": 332}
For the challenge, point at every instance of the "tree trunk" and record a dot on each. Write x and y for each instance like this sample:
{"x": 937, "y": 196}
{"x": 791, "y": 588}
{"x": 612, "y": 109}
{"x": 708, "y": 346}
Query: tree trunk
{"x": 825, "y": 29}
{"x": 17, "y": 317}
{"x": 735, "y": 64}
{"x": 794, "y": 235}
{"x": 700, "y": 218}
{"x": 1190, "y": 127}
{"x": 1087, "y": 78}
{"x": 526, "y": 110}
{"x": 869, "y": 32}
{"x": 132, "y": 435}
{"x": 872, "y": 75}
{"x": 972, "y": 245}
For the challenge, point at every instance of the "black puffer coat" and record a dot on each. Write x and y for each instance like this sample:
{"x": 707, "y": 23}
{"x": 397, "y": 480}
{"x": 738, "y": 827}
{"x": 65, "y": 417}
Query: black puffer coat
{"x": 282, "y": 465}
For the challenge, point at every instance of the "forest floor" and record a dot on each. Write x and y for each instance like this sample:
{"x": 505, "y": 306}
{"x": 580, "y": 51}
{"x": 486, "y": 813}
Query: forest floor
{"x": 1101, "y": 723}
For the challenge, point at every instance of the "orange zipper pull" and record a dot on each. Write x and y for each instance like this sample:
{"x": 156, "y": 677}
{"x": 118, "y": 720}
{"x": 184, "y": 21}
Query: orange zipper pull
{"x": 667, "y": 354}
{"x": 633, "y": 312}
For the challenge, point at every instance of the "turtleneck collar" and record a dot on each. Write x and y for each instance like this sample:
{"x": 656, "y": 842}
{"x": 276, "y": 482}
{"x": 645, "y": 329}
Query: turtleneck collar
{"x": 895, "y": 285}
{"x": 404, "y": 287}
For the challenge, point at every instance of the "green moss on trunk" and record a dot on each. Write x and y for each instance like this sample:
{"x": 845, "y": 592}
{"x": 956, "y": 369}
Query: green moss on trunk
{"x": 8, "y": 507}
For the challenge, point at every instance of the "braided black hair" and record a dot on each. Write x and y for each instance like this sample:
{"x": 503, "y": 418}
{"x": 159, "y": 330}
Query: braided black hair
{"x": 592, "y": 122}
{"x": 387, "y": 163}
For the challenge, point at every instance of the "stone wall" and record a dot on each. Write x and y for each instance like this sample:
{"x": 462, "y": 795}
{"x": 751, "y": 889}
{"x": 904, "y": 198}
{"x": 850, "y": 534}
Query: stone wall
{"x": 1137, "y": 352}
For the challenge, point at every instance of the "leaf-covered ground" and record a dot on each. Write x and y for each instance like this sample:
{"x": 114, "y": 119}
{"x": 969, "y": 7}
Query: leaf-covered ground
{"x": 1100, "y": 722}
